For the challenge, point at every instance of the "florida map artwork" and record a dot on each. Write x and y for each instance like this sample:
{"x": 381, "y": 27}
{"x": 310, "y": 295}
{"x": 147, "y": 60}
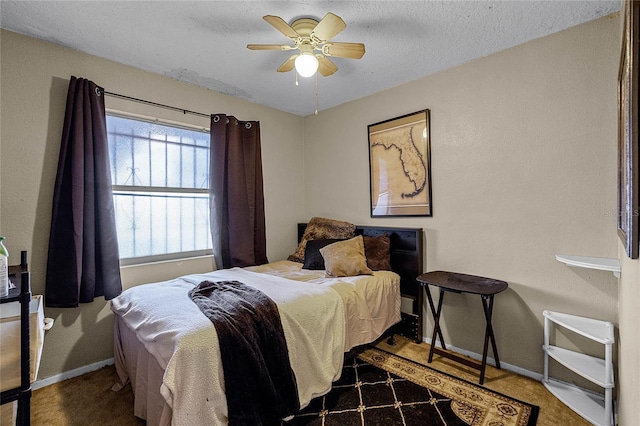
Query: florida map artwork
{"x": 399, "y": 166}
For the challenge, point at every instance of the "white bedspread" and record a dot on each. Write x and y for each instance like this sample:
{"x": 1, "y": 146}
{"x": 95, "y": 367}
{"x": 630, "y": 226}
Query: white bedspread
{"x": 321, "y": 319}
{"x": 181, "y": 338}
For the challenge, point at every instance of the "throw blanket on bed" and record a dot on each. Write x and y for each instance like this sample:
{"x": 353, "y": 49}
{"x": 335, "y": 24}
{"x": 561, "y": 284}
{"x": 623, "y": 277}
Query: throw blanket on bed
{"x": 260, "y": 384}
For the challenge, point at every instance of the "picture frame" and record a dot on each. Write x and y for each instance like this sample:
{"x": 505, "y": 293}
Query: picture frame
{"x": 400, "y": 166}
{"x": 628, "y": 198}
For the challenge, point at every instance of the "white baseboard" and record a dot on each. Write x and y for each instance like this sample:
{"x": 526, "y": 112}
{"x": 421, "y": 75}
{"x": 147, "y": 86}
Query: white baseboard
{"x": 71, "y": 373}
{"x": 505, "y": 366}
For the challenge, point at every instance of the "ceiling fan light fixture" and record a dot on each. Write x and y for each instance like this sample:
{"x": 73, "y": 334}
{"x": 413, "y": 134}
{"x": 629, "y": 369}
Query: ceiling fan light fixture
{"x": 306, "y": 64}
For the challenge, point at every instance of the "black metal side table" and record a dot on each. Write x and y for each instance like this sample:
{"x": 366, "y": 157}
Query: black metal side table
{"x": 21, "y": 293}
{"x": 462, "y": 283}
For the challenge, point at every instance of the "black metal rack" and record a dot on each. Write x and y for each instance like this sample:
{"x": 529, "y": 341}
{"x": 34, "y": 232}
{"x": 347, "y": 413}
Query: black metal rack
{"x": 21, "y": 293}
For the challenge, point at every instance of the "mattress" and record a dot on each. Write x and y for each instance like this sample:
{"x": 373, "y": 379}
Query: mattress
{"x": 167, "y": 349}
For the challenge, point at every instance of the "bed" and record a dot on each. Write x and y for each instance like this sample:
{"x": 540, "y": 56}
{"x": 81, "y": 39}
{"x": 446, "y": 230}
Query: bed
{"x": 168, "y": 350}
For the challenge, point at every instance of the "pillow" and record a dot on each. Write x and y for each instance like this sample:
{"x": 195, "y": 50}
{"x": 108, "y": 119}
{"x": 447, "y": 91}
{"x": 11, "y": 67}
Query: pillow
{"x": 345, "y": 258}
{"x": 320, "y": 228}
{"x": 312, "y": 257}
{"x": 377, "y": 250}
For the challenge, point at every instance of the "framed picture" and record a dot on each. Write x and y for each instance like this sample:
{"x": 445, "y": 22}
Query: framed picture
{"x": 400, "y": 166}
{"x": 628, "y": 208}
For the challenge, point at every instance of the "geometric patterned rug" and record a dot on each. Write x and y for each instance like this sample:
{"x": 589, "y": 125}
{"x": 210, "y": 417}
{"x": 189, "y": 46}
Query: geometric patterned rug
{"x": 379, "y": 388}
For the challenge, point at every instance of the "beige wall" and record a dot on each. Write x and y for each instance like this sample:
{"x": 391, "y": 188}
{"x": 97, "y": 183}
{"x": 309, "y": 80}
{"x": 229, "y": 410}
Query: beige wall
{"x": 524, "y": 166}
{"x": 34, "y": 81}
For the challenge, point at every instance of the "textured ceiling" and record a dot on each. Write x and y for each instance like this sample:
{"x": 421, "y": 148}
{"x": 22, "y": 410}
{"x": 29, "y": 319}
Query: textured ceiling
{"x": 204, "y": 42}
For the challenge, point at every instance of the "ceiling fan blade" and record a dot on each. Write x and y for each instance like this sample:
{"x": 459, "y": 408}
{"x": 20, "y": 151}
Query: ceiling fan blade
{"x": 269, "y": 47}
{"x": 279, "y": 24}
{"x": 325, "y": 66}
{"x": 288, "y": 64}
{"x": 328, "y": 27}
{"x": 344, "y": 50}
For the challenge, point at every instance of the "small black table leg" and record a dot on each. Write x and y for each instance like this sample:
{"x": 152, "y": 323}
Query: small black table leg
{"x": 436, "y": 327}
{"x": 492, "y": 336}
{"x": 487, "y": 305}
{"x": 434, "y": 313}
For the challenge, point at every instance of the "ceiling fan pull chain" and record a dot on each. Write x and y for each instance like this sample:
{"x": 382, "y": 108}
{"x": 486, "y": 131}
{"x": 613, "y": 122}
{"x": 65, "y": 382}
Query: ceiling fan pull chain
{"x": 316, "y": 113}
{"x": 296, "y": 78}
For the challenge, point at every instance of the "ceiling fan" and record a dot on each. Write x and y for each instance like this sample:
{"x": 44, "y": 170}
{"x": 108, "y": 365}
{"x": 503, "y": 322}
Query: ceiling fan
{"x": 308, "y": 36}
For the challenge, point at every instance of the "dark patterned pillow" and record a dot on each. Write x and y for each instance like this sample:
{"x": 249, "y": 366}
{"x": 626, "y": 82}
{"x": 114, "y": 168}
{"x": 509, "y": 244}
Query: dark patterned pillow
{"x": 378, "y": 252}
{"x": 320, "y": 228}
{"x": 312, "y": 257}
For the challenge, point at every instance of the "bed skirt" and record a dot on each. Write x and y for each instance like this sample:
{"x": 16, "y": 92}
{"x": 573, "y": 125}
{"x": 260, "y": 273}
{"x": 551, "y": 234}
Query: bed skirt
{"x": 136, "y": 365}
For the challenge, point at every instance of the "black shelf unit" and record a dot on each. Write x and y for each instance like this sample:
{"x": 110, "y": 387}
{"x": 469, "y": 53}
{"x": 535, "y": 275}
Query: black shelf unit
{"x": 19, "y": 275}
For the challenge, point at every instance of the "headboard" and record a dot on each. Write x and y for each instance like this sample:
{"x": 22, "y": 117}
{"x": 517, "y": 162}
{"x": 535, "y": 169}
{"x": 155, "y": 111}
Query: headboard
{"x": 406, "y": 261}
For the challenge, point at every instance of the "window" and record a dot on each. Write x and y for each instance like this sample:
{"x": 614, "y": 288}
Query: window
{"x": 160, "y": 178}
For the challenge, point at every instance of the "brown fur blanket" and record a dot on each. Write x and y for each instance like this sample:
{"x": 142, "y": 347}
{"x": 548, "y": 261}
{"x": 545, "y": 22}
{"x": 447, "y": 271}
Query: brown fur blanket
{"x": 260, "y": 384}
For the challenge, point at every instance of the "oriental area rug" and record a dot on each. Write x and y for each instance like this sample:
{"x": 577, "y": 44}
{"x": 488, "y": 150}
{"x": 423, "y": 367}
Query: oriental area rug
{"x": 379, "y": 388}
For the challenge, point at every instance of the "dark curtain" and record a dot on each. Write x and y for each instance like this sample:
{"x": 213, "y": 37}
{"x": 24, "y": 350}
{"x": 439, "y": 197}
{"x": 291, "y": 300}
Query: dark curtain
{"x": 83, "y": 260}
{"x": 236, "y": 193}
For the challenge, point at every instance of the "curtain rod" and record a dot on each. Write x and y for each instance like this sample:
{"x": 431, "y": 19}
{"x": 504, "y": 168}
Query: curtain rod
{"x": 129, "y": 98}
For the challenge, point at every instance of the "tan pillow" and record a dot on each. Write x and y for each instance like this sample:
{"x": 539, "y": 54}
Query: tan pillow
{"x": 345, "y": 258}
{"x": 320, "y": 228}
